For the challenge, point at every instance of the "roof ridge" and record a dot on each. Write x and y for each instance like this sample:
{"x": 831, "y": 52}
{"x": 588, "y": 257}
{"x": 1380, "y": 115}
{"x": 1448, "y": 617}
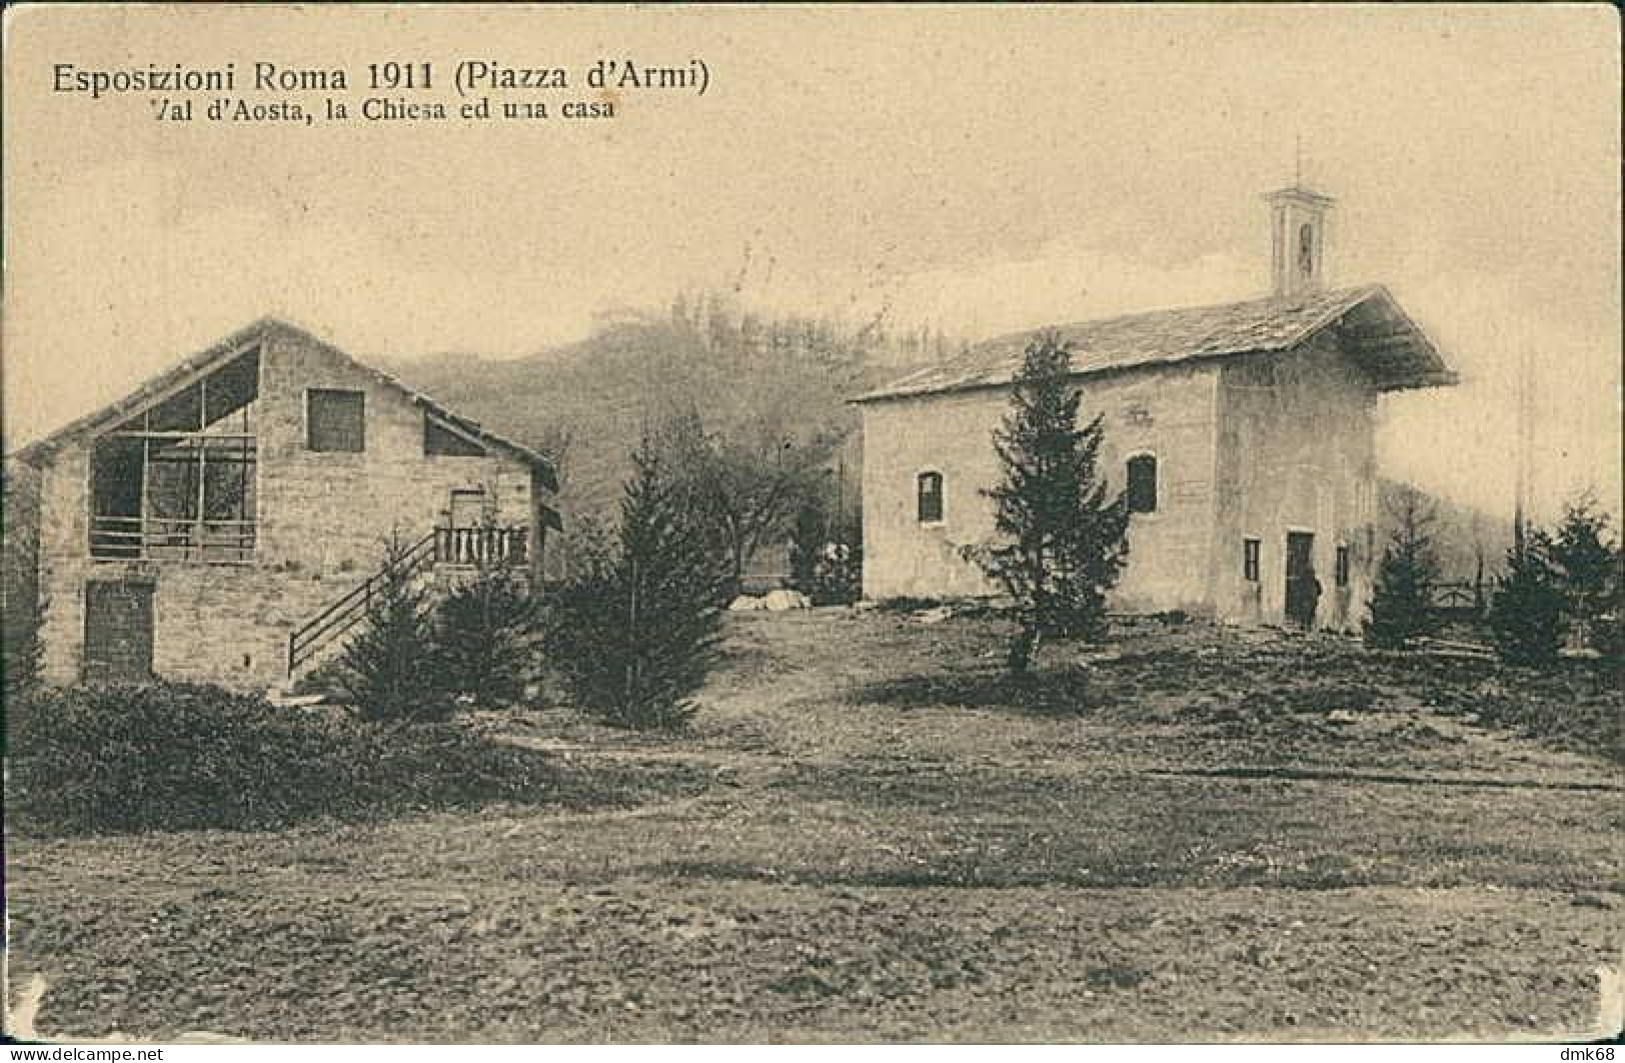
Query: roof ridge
{"x": 1147, "y": 338}
{"x": 1347, "y": 290}
{"x": 257, "y": 329}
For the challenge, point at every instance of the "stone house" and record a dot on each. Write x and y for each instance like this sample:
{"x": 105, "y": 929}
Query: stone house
{"x": 1242, "y": 434}
{"x": 224, "y": 521}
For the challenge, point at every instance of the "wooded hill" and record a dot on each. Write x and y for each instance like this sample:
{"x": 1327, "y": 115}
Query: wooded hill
{"x": 780, "y": 385}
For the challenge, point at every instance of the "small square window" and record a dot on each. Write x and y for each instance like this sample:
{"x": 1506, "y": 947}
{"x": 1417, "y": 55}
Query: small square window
{"x": 335, "y": 420}
{"x": 1342, "y": 567}
{"x": 1249, "y": 560}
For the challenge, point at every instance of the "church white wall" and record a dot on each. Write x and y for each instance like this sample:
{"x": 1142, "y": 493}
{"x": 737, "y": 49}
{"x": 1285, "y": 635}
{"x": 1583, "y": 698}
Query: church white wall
{"x": 1297, "y": 452}
{"x": 1167, "y": 412}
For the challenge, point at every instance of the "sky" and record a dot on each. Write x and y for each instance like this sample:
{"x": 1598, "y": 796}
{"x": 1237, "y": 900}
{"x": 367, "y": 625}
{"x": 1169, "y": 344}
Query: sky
{"x": 974, "y": 169}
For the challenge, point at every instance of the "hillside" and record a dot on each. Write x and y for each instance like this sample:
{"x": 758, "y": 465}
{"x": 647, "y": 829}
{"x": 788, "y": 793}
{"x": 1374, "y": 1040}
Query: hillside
{"x": 776, "y": 383}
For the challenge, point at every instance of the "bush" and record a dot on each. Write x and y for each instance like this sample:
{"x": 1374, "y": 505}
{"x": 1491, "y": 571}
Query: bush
{"x": 483, "y": 632}
{"x": 22, "y": 653}
{"x": 826, "y": 559}
{"x": 181, "y": 756}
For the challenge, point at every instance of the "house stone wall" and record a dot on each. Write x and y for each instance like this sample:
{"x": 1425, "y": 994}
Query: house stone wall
{"x": 1167, "y": 412}
{"x": 1297, "y": 452}
{"x": 323, "y": 519}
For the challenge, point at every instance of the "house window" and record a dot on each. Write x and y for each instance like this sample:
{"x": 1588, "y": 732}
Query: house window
{"x": 439, "y": 440}
{"x": 178, "y": 481}
{"x": 1342, "y": 566}
{"x": 1249, "y": 560}
{"x": 335, "y": 420}
{"x": 930, "y": 497}
{"x": 1142, "y": 484}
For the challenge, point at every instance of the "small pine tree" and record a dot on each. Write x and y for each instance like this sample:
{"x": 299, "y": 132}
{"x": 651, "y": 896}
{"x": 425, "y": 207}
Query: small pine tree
{"x": 1586, "y": 561}
{"x": 1401, "y": 607}
{"x": 483, "y": 631}
{"x": 1060, "y": 543}
{"x": 634, "y": 632}
{"x": 1526, "y": 612}
{"x": 389, "y": 667}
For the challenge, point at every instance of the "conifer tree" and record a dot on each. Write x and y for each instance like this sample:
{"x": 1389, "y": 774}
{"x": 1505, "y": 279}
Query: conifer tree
{"x": 634, "y": 633}
{"x": 388, "y": 668}
{"x": 1060, "y": 544}
{"x": 1526, "y": 612}
{"x": 1586, "y": 561}
{"x": 483, "y": 632}
{"x": 1401, "y": 607}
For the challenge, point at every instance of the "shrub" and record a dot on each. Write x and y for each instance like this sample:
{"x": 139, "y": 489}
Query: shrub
{"x": 826, "y": 558}
{"x": 390, "y": 669}
{"x": 181, "y": 756}
{"x": 483, "y": 632}
{"x": 1526, "y": 613}
{"x": 22, "y": 653}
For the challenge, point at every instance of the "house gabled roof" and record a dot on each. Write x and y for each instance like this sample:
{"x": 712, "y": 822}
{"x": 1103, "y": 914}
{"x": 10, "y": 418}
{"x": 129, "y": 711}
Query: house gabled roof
{"x": 237, "y": 343}
{"x": 1369, "y": 322}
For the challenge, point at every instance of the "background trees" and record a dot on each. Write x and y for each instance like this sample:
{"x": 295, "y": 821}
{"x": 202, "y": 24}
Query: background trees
{"x": 1060, "y": 543}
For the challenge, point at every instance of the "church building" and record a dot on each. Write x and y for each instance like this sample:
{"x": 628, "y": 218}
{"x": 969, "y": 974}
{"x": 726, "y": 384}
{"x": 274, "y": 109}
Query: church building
{"x": 1243, "y": 436}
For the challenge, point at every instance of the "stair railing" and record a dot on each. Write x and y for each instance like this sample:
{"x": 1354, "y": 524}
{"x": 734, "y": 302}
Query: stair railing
{"x": 349, "y": 609}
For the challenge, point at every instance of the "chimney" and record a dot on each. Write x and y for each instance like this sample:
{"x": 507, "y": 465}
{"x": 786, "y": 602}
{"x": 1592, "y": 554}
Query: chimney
{"x": 1298, "y": 236}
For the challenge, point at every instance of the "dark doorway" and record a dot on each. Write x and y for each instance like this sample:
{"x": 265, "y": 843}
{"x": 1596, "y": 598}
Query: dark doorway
{"x": 118, "y": 632}
{"x": 1302, "y": 588}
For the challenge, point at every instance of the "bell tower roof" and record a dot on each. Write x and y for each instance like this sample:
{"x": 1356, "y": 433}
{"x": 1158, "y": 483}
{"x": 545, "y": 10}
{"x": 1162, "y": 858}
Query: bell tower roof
{"x": 1298, "y": 240}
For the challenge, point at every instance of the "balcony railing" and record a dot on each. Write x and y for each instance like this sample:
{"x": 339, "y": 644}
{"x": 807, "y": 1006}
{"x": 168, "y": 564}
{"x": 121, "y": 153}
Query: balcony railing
{"x": 221, "y": 542}
{"x": 480, "y": 546}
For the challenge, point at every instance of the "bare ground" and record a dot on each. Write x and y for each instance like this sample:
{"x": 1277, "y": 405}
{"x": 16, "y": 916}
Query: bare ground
{"x": 1192, "y": 834}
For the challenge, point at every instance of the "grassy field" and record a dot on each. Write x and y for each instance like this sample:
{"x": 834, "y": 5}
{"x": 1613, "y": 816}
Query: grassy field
{"x": 1192, "y": 833}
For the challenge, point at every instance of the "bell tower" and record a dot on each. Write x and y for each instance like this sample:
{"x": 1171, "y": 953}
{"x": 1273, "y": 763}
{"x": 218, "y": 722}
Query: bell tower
{"x": 1298, "y": 237}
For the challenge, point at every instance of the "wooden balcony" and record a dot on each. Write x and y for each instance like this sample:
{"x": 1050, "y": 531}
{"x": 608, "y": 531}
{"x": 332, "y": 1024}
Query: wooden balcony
{"x": 481, "y": 546}
{"x": 214, "y": 542}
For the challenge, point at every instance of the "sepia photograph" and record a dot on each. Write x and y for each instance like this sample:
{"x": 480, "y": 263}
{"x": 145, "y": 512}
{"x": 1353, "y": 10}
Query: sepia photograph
{"x": 812, "y": 524}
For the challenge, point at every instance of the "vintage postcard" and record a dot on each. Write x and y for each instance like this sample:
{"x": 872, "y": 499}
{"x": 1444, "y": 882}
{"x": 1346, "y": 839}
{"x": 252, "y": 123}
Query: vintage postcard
{"x": 767, "y": 524}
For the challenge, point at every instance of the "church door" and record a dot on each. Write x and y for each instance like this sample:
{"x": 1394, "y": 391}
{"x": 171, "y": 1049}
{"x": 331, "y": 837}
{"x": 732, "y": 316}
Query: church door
{"x": 1302, "y": 588}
